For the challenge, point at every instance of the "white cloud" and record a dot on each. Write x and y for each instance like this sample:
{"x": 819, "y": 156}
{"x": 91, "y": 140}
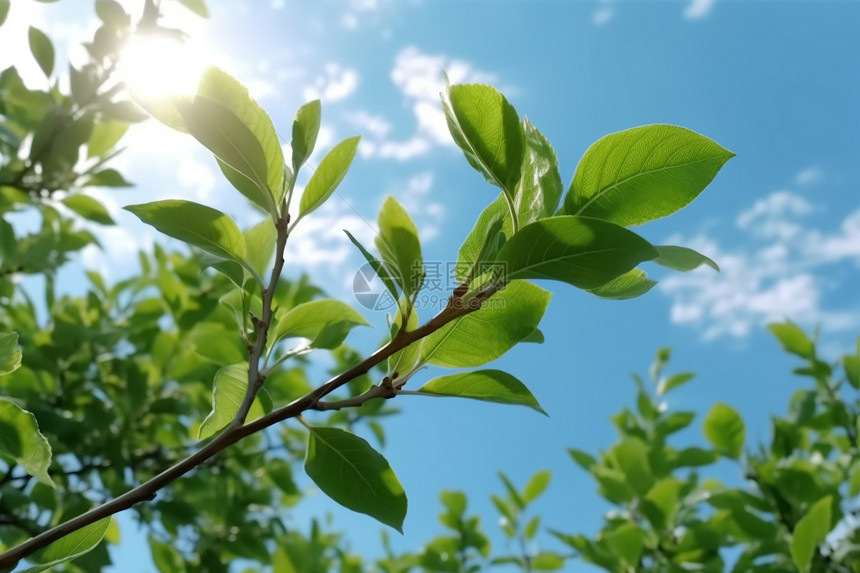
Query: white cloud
{"x": 602, "y": 15}
{"x": 420, "y": 78}
{"x": 375, "y": 125}
{"x": 698, "y": 9}
{"x": 358, "y": 12}
{"x": 781, "y": 275}
{"x": 336, "y": 83}
{"x": 809, "y": 176}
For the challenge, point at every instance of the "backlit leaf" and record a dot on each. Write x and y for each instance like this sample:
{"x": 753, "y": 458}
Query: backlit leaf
{"x": 42, "y": 49}
{"x": 328, "y": 175}
{"x": 682, "y": 258}
{"x": 399, "y": 246}
{"x": 69, "y": 547}
{"x": 486, "y": 385}
{"x": 725, "y": 429}
{"x": 306, "y": 127}
{"x": 228, "y": 392}
{"x": 21, "y": 441}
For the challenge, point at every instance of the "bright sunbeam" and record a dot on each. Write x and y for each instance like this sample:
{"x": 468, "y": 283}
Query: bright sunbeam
{"x": 158, "y": 66}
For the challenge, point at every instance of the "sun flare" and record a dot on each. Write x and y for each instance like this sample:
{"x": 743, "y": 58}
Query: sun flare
{"x": 158, "y": 66}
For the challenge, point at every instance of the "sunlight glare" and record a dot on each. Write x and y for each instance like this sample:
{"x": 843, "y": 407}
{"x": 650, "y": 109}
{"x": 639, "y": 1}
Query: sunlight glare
{"x": 161, "y": 66}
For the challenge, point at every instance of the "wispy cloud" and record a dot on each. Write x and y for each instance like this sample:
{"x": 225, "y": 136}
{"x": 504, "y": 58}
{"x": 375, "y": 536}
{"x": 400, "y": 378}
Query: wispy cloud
{"x": 336, "y": 83}
{"x": 785, "y": 271}
{"x": 697, "y": 9}
{"x": 809, "y": 176}
{"x": 602, "y": 15}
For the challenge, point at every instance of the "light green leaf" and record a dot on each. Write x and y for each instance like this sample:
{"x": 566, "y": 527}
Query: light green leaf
{"x": 42, "y": 49}
{"x": 220, "y": 87}
{"x": 376, "y": 265}
{"x": 581, "y": 251}
{"x": 673, "y": 381}
{"x": 508, "y": 317}
{"x": 536, "y": 485}
{"x": 21, "y": 441}
{"x": 248, "y": 188}
{"x": 260, "y": 241}
{"x": 661, "y": 503}
{"x": 353, "y": 474}
{"x": 166, "y": 557}
{"x": 631, "y": 457}
{"x": 228, "y": 392}
{"x": 10, "y": 354}
{"x": 198, "y": 225}
{"x": 223, "y": 133}
{"x": 851, "y": 364}
{"x": 306, "y": 127}
{"x": 547, "y": 561}
{"x": 809, "y": 532}
{"x": 641, "y": 174}
{"x": 399, "y": 246}
{"x": 540, "y": 187}
{"x": 106, "y": 178}
{"x": 106, "y": 134}
{"x": 88, "y": 208}
{"x": 793, "y": 339}
{"x": 488, "y": 130}
{"x": 69, "y": 547}
{"x": 486, "y": 385}
{"x": 403, "y": 361}
{"x": 196, "y": 6}
{"x": 682, "y": 258}
{"x": 331, "y": 171}
{"x": 631, "y": 284}
{"x": 324, "y": 322}
{"x": 725, "y": 429}
{"x": 626, "y": 541}
{"x": 480, "y": 246}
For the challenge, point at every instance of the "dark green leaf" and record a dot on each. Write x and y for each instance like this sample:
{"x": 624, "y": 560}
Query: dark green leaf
{"x": 631, "y": 284}
{"x": 487, "y": 385}
{"x": 488, "y": 130}
{"x": 42, "y": 49}
{"x": 353, "y": 474}
{"x": 793, "y": 339}
{"x": 88, "y": 208}
{"x": 196, "y": 224}
{"x": 851, "y": 364}
{"x": 725, "y": 429}
{"x": 682, "y": 258}
{"x": 331, "y": 171}
{"x": 508, "y": 317}
{"x": 809, "y": 532}
{"x": 306, "y": 127}
{"x": 581, "y": 251}
{"x": 641, "y": 174}
{"x": 4, "y": 10}
{"x": 399, "y": 246}
{"x": 21, "y": 441}
{"x": 69, "y": 547}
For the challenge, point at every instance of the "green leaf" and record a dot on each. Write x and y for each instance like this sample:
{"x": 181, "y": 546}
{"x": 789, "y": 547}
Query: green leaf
{"x": 674, "y": 422}
{"x": 196, "y": 6}
{"x": 404, "y": 361}
{"x": 198, "y": 225}
{"x": 508, "y": 317}
{"x": 10, "y": 354}
{"x": 547, "y": 561}
{"x": 674, "y": 381}
{"x": 106, "y": 178}
{"x": 682, "y": 258}
{"x": 584, "y": 252}
{"x": 631, "y": 284}
{"x": 220, "y": 87}
{"x": 851, "y": 364}
{"x": 809, "y": 532}
{"x": 112, "y": 13}
{"x": 69, "y": 547}
{"x": 248, "y": 188}
{"x": 582, "y": 459}
{"x": 540, "y": 187}
{"x": 536, "y": 485}
{"x": 106, "y": 134}
{"x": 166, "y": 557}
{"x": 4, "y": 10}
{"x": 228, "y": 392}
{"x": 88, "y": 208}
{"x": 324, "y": 322}
{"x": 488, "y": 130}
{"x": 626, "y": 541}
{"x": 223, "y": 133}
{"x": 42, "y": 49}
{"x": 793, "y": 339}
{"x": 641, "y": 174}
{"x": 486, "y": 385}
{"x": 306, "y": 127}
{"x": 399, "y": 246}
{"x": 536, "y": 337}
{"x": 725, "y": 429}
{"x": 21, "y": 441}
{"x": 331, "y": 171}
{"x": 377, "y": 266}
{"x": 260, "y": 241}
{"x": 661, "y": 503}
{"x": 353, "y": 474}
{"x": 485, "y": 238}
{"x": 631, "y": 457}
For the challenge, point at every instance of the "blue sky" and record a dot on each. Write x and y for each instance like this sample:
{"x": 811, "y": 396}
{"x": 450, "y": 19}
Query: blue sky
{"x": 775, "y": 82}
